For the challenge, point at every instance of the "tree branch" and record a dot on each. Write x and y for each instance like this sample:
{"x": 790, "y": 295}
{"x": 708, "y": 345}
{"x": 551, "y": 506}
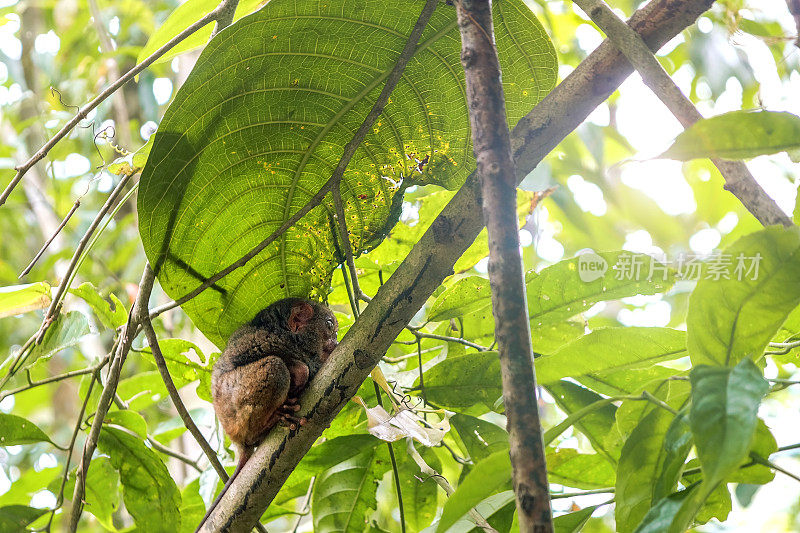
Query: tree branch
{"x": 738, "y": 179}
{"x": 430, "y": 261}
{"x": 107, "y": 396}
{"x": 497, "y": 175}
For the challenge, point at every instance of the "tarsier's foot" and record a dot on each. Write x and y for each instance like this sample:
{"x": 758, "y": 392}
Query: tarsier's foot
{"x": 292, "y": 402}
{"x": 287, "y": 413}
{"x": 292, "y": 421}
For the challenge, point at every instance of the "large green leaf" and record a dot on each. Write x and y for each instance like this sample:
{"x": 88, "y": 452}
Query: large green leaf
{"x": 262, "y": 120}
{"x": 486, "y": 478}
{"x": 611, "y": 349}
{"x": 19, "y": 299}
{"x": 737, "y": 135}
{"x": 723, "y": 418}
{"x": 183, "y": 368}
{"x": 480, "y": 438}
{"x": 594, "y": 424}
{"x": 723, "y": 415}
{"x": 110, "y": 314}
{"x": 344, "y": 493}
{"x": 420, "y": 493}
{"x": 17, "y": 430}
{"x": 102, "y": 491}
{"x": 149, "y": 492}
{"x": 67, "y": 330}
{"x": 573, "y": 522}
{"x": 580, "y": 470}
{"x": 321, "y": 457}
{"x": 29, "y": 483}
{"x": 459, "y": 383}
{"x": 14, "y": 518}
{"x": 730, "y": 319}
{"x": 574, "y": 285}
{"x": 638, "y": 469}
{"x": 464, "y": 296}
{"x": 677, "y": 444}
{"x": 184, "y": 16}
{"x": 659, "y": 518}
{"x": 763, "y": 445}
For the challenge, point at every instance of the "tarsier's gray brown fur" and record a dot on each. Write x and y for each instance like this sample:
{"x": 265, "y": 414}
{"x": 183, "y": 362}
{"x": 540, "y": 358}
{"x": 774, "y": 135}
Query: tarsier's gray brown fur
{"x": 267, "y": 363}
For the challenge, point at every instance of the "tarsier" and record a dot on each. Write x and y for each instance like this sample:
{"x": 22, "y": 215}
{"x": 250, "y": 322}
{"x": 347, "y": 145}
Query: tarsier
{"x": 267, "y": 363}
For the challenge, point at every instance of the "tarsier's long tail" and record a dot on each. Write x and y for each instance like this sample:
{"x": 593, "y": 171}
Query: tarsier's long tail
{"x": 244, "y": 456}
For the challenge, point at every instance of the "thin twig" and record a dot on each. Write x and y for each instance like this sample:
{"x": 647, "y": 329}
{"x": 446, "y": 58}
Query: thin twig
{"x": 54, "y": 379}
{"x": 738, "y": 179}
{"x": 55, "y": 305}
{"x": 172, "y": 453}
{"x": 421, "y": 373}
{"x": 107, "y": 396}
{"x": 71, "y": 447}
{"x": 227, "y": 9}
{"x": 558, "y": 496}
{"x": 344, "y": 235}
{"x": 349, "y": 150}
{"x": 457, "y": 340}
{"x": 304, "y": 506}
{"x": 769, "y": 464}
{"x": 783, "y": 347}
{"x": 152, "y": 339}
{"x": 49, "y": 241}
{"x": 85, "y": 110}
{"x": 440, "y": 480}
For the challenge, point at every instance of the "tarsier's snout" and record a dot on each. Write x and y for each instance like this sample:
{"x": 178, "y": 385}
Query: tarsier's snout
{"x": 330, "y": 344}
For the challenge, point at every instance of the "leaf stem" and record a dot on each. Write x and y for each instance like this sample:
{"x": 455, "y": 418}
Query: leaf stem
{"x": 440, "y": 480}
{"x": 152, "y": 340}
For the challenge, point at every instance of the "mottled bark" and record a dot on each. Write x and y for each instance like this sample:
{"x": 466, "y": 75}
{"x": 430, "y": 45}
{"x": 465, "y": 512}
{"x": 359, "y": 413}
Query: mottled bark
{"x": 497, "y": 176}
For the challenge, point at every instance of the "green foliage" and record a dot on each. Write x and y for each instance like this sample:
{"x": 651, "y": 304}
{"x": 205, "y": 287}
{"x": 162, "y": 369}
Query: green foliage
{"x": 66, "y": 331}
{"x": 149, "y": 492}
{"x": 184, "y": 16}
{"x": 486, "y": 478}
{"x": 17, "y": 517}
{"x": 221, "y": 177}
{"x": 344, "y": 493}
{"x": 572, "y": 522}
{"x": 639, "y": 469}
{"x": 110, "y": 314}
{"x": 612, "y": 349}
{"x": 738, "y": 135}
{"x": 723, "y": 416}
{"x": 23, "y": 298}
{"x": 17, "y": 430}
{"x": 558, "y": 292}
{"x": 730, "y": 319}
{"x": 631, "y": 403}
{"x": 458, "y": 383}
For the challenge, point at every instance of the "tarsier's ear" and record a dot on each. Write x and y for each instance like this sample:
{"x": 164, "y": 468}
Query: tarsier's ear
{"x": 300, "y": 315}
